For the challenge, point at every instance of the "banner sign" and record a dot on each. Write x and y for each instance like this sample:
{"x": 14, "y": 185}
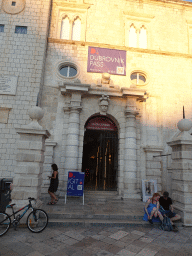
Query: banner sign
{"x": 75, "y": 184}
{"x": 103, "y": 60}
{"x": 101, "y": 123}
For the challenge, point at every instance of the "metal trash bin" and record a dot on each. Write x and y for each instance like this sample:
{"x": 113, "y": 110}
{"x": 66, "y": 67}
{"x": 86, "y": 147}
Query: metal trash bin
{"x": 5, "y": 193}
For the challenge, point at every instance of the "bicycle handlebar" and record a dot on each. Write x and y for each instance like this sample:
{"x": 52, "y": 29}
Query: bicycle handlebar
{"x": 31, "y": 199}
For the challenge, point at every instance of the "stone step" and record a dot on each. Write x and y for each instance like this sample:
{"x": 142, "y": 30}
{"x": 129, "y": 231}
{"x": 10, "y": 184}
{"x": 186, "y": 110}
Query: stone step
{"x": 93, "y": 216}
{"x": 100, "y": 222}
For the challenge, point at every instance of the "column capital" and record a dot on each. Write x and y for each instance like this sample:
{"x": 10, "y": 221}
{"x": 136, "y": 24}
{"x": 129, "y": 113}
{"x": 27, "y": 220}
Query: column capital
{"x": 131, "y": 111}
{"x": 72, "y": 109}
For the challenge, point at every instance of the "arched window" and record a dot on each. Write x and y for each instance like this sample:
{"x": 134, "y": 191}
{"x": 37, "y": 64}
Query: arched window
{"x": 65, "y": 28}
{"x": 132, "y": 37}
{"x": 143, "y": 38}
{"x": 76, "y": 30}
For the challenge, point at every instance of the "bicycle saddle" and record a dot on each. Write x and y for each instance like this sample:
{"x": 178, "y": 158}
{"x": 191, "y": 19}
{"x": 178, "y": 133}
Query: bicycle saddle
{"x": 31, "y": 198}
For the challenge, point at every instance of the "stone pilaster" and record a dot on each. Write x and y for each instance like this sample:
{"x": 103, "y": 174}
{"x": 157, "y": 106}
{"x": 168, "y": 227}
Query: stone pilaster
{"x": 153, "y": 165}
{"x": 48, "y": 161}
{"x": 72, "y": 149}
{"x": 181, "y": 166}
{"x": 130, "y": 151}
{"x": 30, "y": 158}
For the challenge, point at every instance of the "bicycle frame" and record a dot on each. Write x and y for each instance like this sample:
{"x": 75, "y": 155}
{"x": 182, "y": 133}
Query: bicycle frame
{"x": 21, "y": 216}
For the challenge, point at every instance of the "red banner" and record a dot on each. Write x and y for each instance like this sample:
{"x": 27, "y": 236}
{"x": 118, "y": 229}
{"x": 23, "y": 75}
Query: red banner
{"x": 101, "y": 123}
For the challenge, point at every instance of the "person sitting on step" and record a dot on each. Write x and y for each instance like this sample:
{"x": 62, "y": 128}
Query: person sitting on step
{"x": 152, "y": 213}
{"x": 166, "y": 202}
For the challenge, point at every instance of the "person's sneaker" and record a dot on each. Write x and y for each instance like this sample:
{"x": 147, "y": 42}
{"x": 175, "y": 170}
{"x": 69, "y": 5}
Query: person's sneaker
{"x": 150, "y": 221}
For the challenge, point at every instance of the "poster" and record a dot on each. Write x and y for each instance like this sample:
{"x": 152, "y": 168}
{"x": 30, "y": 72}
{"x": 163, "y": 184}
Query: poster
{"x": 104, "y": 60}
{"x": 149, "y": 187}
{"x": 75, "y": 184}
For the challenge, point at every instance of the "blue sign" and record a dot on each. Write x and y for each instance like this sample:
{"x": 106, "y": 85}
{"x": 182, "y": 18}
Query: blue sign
{"x": 75, "y": 184}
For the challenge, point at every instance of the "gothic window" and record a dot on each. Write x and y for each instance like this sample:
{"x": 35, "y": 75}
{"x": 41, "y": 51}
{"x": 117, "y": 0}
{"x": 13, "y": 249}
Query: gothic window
{"x": 76, "y": 30}
{"x": 65, "y": 28}
{"x": 143, "y": 38}
{"x": 132, "y": 37}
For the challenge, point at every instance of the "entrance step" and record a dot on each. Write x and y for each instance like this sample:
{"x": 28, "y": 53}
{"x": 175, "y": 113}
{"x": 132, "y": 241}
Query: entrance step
{"x": 111, "y": 211}
{"x": 101, "y": 196}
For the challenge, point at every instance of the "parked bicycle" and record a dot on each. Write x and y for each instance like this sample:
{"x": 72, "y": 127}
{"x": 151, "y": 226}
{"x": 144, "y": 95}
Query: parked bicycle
{"x": 37, "y": 220}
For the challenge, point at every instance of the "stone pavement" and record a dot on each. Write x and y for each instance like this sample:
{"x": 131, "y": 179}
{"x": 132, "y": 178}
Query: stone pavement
{"x": 97, "y": 241}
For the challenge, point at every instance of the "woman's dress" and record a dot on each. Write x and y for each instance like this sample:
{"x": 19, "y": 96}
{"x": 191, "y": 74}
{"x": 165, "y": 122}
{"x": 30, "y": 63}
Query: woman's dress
{"x": 149, "y": 209}
{"x": 54, "y": 184}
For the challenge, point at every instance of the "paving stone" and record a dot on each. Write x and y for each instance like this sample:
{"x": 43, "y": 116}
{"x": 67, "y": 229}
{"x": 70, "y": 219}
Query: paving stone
{"x": 146, "y": 239}
{"x": 139, "y": 243}
{"x": 35, "y": 254}
{"x": 74, "y": 235}
{"x": 98, "y": 237}
{"x": 133, "y": 248}
{"x": 70, "y": 241}
{"x": 139, "y": 233}
{"x": 165, "y": 252}
{"x": 122, "y": 244}
{"x": 11, "y": 253}
{"x": 147, "y": 252}
{"x": 108, "y": 240}
{"x": 126, "y": 253}
{"x": 61, "y": 238}
{"x": 118, "y": 235}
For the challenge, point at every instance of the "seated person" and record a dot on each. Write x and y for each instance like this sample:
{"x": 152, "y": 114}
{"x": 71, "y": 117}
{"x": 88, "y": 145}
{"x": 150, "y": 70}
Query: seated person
{"x": 166, "y": 202}
{"x": 152, "y": 213}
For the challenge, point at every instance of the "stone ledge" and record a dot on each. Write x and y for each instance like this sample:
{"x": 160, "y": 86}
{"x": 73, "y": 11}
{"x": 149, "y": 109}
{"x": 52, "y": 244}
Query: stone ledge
{"x": 130, "y": 49}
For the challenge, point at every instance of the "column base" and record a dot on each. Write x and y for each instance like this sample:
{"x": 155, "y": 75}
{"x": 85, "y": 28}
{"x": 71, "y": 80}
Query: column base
{"x": 185, "y": 213}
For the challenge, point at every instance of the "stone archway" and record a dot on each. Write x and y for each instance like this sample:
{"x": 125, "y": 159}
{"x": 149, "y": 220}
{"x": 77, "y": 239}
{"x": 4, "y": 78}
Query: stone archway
{"x": 100, "y": 154}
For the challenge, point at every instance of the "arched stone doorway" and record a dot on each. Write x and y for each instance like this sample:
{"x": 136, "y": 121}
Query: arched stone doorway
{"x": 100, "y": 154}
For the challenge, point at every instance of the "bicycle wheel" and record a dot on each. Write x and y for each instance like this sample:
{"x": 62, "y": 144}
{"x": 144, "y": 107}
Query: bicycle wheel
{"x": 5, "y": 223}
{"x": 37, "y": 220}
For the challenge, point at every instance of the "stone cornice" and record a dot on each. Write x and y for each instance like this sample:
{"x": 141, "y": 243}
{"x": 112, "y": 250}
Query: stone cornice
{"x": 77, "y": 87}
{"x": 72, "y": 6}
{"x": 138, "y": 16}
{"x": 181, "y": 138}
{"x": 130, "y": 49}
{"x": 153, "y": 149}
{"x": 170, "y": 3}
{"x": 33, "y": 132}
{"x": 50, "y": 143}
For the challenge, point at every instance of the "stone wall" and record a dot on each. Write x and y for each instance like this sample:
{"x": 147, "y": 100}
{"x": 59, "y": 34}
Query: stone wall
{"x": 21, "y": 56}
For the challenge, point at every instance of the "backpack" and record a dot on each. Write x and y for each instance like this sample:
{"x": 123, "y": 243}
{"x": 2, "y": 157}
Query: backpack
{"x": 166, "y": 224}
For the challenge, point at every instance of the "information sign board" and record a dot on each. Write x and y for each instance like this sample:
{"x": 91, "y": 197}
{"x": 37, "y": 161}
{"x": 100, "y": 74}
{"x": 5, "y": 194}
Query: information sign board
{"x": 75, "y": 184}
{"x": 149, "y": 187}
{"x": 103, "y": 60}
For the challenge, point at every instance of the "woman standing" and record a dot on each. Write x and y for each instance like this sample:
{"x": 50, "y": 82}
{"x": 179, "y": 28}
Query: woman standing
{"x": 54, "y": 182}
{"x": 152, "y": 212}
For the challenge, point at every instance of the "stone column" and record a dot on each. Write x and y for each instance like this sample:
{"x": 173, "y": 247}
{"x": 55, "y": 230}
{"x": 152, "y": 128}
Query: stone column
{"x": 30, "y": 158}
{"x": 182, "y": 171}
{"x": 72, "y": 148}
{"x": 130, "y": 151}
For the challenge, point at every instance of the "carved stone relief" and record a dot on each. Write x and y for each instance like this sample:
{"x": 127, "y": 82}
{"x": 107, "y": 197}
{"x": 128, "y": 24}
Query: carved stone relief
{"x": 13, "y": 6}
{"x": 104, "y": 102}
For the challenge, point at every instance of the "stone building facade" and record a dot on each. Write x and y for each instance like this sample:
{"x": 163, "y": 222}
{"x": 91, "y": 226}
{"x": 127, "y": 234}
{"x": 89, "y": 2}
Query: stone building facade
{"x": 43, "y": 41}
